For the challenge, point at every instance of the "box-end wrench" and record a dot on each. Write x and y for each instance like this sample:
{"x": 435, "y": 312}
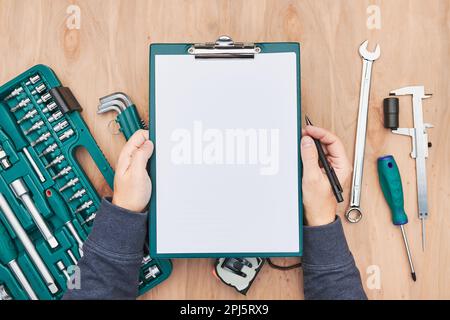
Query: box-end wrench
{"x": 354, "y": 213}
{"x": 28, "y": 245}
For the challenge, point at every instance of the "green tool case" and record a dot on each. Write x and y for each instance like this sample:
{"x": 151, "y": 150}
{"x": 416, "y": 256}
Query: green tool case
{"x": 47, "y": 203}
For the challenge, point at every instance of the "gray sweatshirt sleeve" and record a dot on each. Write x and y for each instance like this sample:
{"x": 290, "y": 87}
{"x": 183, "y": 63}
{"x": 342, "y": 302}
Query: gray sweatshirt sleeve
{"x": 112, "y": 257}
{"x": 329, "y": 270}
{"x": 113, "y": 253}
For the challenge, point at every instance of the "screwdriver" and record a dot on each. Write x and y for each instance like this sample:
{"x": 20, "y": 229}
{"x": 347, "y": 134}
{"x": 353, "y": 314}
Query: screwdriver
{"x": 16, "y": 137}
{"x": 8, "y": 256}
{"x": 59, "y": 207}
{"x": 391, "y": 185}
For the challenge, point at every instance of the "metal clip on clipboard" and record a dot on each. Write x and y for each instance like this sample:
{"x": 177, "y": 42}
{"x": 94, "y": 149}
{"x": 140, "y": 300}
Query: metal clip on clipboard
{"x": 224, "y": 47}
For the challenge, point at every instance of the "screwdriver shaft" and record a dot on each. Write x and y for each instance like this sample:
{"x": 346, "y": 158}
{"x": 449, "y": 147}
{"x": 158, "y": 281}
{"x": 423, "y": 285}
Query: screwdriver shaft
{"x": 423, "y": 234}
{"x": 33, "y": 164}
{"x": 411, "y": 265}
{"x": 75, "y": 234}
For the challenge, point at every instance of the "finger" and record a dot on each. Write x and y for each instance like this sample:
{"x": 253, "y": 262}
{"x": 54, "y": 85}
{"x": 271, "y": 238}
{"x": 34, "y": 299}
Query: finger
{"x": 142, "y": 155}
{"x": 310, "y": 159}
{"x": 333, "y": 144}
{"x": 136, "y": 141}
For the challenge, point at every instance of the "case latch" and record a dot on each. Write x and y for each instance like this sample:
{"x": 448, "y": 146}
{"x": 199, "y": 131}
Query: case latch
{"x": 65, "y": 99}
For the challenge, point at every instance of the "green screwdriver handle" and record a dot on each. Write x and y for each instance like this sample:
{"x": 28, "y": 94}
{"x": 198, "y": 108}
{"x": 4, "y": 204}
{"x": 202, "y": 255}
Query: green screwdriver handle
{"x": 391, "y": 185}
{"x": 58, "y": 205}
{"x": 8, "y": 251}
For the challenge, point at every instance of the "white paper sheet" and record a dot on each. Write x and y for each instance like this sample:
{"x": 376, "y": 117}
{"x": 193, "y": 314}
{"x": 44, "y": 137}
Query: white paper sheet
{"x": 209, "y": 198}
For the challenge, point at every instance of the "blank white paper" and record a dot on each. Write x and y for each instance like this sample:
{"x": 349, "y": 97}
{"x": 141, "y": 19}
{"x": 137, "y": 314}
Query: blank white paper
{"x": 208, "y": 205}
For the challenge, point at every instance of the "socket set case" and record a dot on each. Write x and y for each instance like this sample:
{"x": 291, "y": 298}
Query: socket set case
{"x": 47, "y": 203}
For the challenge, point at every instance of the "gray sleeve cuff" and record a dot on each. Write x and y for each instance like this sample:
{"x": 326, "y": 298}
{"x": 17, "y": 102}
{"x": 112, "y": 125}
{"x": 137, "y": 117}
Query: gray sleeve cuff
{"x": 325, "y": 245}
{"x": 118, "y": 231}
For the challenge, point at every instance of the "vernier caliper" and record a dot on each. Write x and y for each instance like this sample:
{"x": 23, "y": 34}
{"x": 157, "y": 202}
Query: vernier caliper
{"x": 420, "y": 146}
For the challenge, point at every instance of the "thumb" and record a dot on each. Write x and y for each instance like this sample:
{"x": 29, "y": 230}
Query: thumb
{"x": 141, "y": 156}
{"x": 310, "y": 159}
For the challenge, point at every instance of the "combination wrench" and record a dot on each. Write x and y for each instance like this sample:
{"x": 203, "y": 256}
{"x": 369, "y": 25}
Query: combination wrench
{"x": 354, "y": 213}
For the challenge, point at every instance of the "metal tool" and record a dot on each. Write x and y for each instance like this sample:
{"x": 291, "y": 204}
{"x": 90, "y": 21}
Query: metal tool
{"x": 50, "y": 107}
{"x": 4, "y": 294}
{"x": 21, "y": 192}
{"x": 63, "y": 269}
{"x": 16, "y": 137}
{"x": 60, "y": 126}
{"x": 34, "y": 127}
{"x": 146, "y": 259}
{"x": 23, "y": 103}
{"x": 28, "y": 245}
{"x": 69, "y": 184}
{"x": 84, "y": 206}
{"x": 89, "y": 219}
{"x": 44, "y": 98}
{"x": 128, "y": 117}
{"x": 39, "y": 89}
{"x": 62, "y": 173}
{"x": 77, "y": 195}
{"x": 43, "y": 137}
{"x": 72, "y": 257}
{"x": 33, "y": 80}
{"x": 391, "y": 185}
{"x": 57, "y": 115}
{"x": 51, "y": 148}
{"x": 55, "y": 161}
{"x": 354, "y": 213}
{"x": 8, "y": 256}
{"x": 66, "y": 135}
{"x": 152, "y": 272}
{"x": 420, "y": 147}
{"x": 59, "y": 207}
{"x": 14, "y": 93}
{"x": 30, "y": 114}
{"x": 4, "y": 161}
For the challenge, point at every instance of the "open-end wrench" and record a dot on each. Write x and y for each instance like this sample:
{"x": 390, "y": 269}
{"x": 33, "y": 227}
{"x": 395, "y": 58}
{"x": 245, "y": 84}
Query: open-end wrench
{"x": 354, "y": 213}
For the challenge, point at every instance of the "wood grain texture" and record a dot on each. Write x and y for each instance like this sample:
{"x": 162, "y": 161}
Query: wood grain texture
{"x": 110, "y": 53}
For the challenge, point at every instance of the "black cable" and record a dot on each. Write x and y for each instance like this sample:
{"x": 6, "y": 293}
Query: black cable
{"x": 283, "y": 268}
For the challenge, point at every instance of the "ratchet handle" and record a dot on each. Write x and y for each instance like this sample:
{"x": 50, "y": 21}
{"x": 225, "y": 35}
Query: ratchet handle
{"x": 391, "y": 185}
{"x": 7, "y": 249}
{"x": 58, "y": 205}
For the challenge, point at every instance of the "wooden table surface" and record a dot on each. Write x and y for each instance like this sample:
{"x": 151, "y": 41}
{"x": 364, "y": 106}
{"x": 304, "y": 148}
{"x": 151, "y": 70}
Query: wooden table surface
{"x": 109, "y": 52}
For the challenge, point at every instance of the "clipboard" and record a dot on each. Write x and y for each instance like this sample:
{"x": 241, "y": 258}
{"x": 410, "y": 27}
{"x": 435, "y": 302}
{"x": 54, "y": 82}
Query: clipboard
{"x": 173, "y": 231}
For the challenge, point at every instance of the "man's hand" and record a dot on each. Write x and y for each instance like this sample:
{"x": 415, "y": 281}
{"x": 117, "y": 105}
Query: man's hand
{"x": 132, "y": 185}
{"x": 318, "y": 199}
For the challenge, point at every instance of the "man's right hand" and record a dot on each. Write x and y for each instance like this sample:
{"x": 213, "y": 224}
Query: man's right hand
{"x": 318, "y": 198}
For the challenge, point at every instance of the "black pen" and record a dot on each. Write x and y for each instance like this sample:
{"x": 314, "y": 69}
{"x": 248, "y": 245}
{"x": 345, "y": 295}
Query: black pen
{"x": 334, "y": 181}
